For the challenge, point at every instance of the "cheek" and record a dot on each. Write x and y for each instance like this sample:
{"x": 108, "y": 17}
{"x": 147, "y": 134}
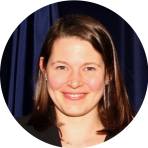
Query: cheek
{"x": 96, "y": 83}
{"x": 54, "y": 81}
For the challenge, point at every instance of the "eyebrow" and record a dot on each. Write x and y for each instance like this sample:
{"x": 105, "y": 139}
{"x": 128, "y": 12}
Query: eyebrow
{"x": 87, "y": 63}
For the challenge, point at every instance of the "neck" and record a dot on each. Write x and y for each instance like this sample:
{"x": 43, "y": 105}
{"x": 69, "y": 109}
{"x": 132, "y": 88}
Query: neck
{"x": 78, "y": 129}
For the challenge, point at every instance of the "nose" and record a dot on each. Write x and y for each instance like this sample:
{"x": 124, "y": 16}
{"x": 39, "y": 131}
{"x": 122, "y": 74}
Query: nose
{"x": 75, "y": 80}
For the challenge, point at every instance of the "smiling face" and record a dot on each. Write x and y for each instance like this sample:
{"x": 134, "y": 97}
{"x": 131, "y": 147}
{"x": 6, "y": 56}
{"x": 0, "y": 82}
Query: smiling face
{"x": 75, "y": 73}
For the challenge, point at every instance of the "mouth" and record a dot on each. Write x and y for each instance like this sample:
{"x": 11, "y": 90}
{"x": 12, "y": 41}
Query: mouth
{"x": 74, "y": 96}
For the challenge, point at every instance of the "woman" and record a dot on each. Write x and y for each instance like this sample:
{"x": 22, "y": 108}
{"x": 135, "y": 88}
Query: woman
{"x": 80, "y": 96}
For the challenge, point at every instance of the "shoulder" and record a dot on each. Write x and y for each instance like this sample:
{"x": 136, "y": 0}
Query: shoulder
{"x": 50, "y": 136}
{"x": 23, "y": 120}
{"x": 108, "y": 136}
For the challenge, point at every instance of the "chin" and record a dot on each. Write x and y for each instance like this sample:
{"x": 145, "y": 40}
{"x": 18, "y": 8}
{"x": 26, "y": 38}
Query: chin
{"x": 74, "y": 112}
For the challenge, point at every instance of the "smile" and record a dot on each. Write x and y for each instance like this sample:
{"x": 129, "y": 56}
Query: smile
{"x": 74, "y": 96}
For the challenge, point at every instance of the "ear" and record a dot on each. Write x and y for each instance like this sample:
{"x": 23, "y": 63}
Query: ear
{"x": 41, "y": 65}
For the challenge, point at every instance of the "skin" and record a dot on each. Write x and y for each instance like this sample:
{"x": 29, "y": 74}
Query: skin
{"x": 76, "y": 79}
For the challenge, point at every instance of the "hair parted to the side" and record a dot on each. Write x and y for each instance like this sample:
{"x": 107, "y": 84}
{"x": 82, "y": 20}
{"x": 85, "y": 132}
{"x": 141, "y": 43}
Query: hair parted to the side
{"x": 114, "y": 108}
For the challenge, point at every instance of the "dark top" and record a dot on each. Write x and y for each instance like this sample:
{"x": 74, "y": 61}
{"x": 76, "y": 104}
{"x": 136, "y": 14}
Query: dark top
{"x": 50, "y": 136}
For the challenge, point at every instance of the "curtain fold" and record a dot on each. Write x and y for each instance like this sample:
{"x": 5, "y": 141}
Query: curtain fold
{"x": 140, "y": 72}
{"x": 23, "y": 49}
{"x": 133, "y": 64}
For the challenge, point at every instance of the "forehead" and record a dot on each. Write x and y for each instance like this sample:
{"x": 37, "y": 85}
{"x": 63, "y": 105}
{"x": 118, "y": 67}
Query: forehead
{"x": 74, "y": 49}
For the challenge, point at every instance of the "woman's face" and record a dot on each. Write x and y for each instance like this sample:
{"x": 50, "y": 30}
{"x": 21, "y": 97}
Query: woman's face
{"x": 75, "y": 73}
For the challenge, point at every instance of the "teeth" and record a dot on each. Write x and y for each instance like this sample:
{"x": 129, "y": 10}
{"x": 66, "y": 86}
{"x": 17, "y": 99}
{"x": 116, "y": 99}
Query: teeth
{"x": 75, "y": 96}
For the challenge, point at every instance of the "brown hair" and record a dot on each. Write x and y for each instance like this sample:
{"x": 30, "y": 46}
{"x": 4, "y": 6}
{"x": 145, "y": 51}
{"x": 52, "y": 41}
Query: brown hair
{"x": 114, "y": 108}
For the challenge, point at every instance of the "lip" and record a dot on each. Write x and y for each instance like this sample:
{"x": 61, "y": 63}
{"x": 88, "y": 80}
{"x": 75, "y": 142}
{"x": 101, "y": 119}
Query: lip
{"x": 74, "y": 96}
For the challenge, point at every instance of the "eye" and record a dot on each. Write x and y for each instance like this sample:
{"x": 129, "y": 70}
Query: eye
{"x": 90, "y": 68}
{"x": 61, "y": 67}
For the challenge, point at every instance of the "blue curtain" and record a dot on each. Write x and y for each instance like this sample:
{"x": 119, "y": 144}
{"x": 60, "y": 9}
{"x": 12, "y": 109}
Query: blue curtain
{"x": 20, "y": 58}
{"x": 134, "y": 63}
